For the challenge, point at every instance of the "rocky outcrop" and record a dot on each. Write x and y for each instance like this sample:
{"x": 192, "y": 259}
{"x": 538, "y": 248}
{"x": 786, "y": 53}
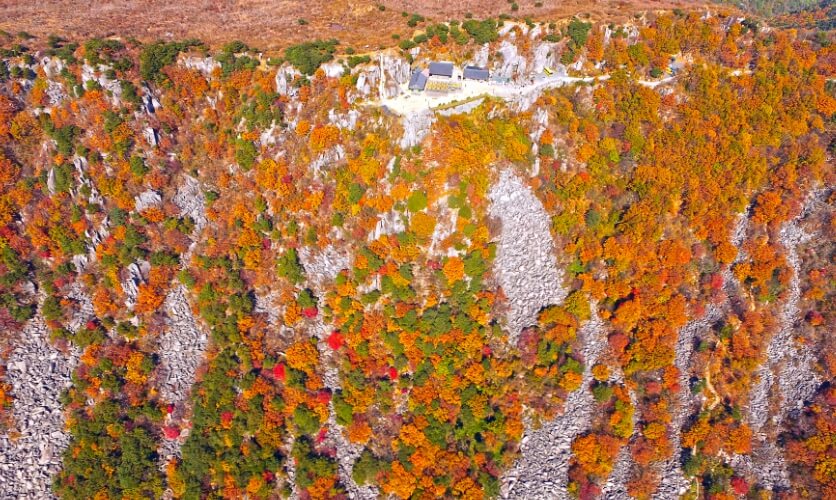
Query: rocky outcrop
{"x": 55, "y": 93}
{"x": 480, "y": 58}
{"x": 390, "y": 222}
{"x": 83, "y": 311}
{"x": 797, "y": 381}
{"x": 444, "y": 228}
{"x": 189, "y": 199}
{"x": 385, "y": 74}
{"x": 97, "y": 74}
{"x": 616, "y": 485}
{"x": 542, "y": 469}
{"x": 181, "y": 347}
{"x": 191, "y": 202}
{"x": 206, "y": 65}
{"x": 545, "y": 56}
{"x": 327, "y": 158}
{"x": 149, "y": 99}
{"x": 31, "y": 454}
{"x": 788, "y": 363}
{"x": 674, "y": 483}
{"x": 321, "y": 268}
{"x": 333, "y": 69}
{"x": 416, "y": 126}
{"x": 136, "y": 273}
{"x": 525, "y": 265}
{"x": 181, "y": 350}
{"x": 541, "y": 123}
{"x": 284, "y": 80}
{"x": 267, "y": 304}
{"x": 513, "y": 64}
{"x": 347, "y": 120}
{"x": 52, "y": 66}
{"x": 152, "y": 136}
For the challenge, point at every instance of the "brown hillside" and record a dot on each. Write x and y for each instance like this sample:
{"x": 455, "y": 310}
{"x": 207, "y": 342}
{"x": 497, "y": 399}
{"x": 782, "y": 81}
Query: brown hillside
{"x": 272, "y": 24}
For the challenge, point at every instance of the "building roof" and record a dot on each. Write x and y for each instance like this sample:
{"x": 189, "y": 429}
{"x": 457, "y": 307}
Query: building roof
{"x": 476, "y": 73}
{"x": 418, "y": 80}
{"x": 441, "y": 68}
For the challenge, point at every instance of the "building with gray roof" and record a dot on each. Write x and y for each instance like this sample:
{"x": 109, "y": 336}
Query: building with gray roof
{"x": 476, "y": 73}
{"x": 441, "y": 69}
{"x": 418, "y": 80}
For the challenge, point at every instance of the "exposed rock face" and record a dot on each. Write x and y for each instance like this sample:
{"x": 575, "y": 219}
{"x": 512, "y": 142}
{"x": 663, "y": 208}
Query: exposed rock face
{"x": 524, "y": 100}
{"x": 513, "y": 64}
{"x": 798, "y": 380}
{"x": 181, "y": 347}
{"x": 333, "y": 69}
{"x": 50, "y": 181}
{"x": 152, "y": 137}
{"x": 136, "y": 273}
{"x": 284, "y": 80}
{"x": 52, "y": 66}
{"x": 386, "y": 73}
{"x": 541, "y": 121}
{"x": 771, "y": 468}
{"x": 97, "y": 74}
{"x": 205, "y": 65}
{"x": 364, "y": 83}
{"x": 346, "y": 120}
{"x": 616, "y": 485}
{"x": 321, "y": 268}
{"x": 38, "y": 373}
{"x": 508, "y": 29}
{"x": 390, "y": 222}
{"x": 55, "y": 92}
{"x": 730, "y": 283}
{"x": 347, "y": 455}
{"x": 80, "y": 164}
{"x": 334, "y": 155}
{"x": 189, "y": 199}
{"x": 149, "y": 99}
{"x": 416, "y": 126}
{"x": 444, "y": 228}
{"x": 673, "y": 483}
{"x": 542, "y": 470}
{"x": 535, "y": 31}
{"x": 525, "y": 265}
{"x": 265, "y": 303}
{"x": 788, "y": 363}
{"x": 481, "y": 57}
{"x": 544, "y": 56}
{"x": 84, "y": 311}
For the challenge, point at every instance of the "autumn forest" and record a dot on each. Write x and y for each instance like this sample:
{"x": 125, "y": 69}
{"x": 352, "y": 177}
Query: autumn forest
{"x": 234, "y": 274}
